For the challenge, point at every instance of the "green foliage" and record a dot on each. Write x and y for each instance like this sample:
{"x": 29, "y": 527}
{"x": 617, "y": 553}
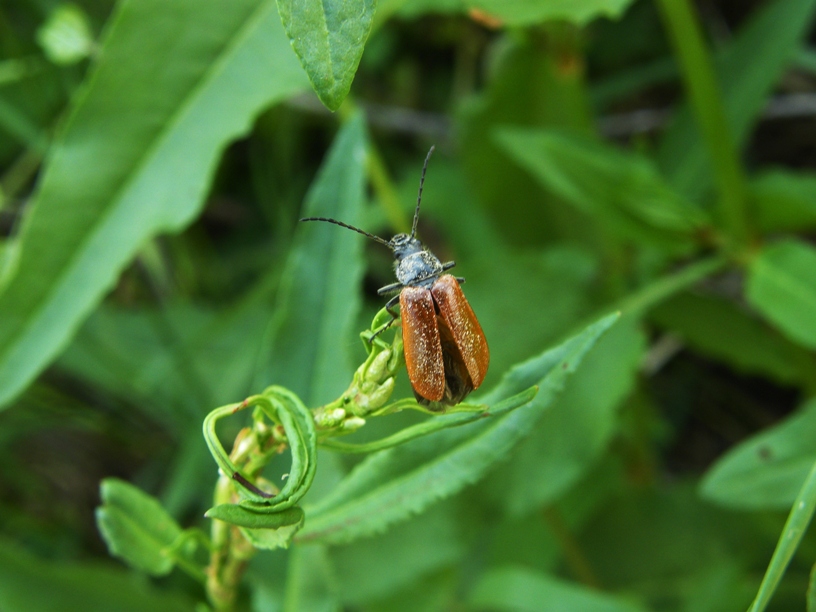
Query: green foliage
{"x": 729, "y": 333}
{"x": 784, "y": 201}
{"x": 328, "y": 37}
{"x": 395, "y": 484}
{"x": 29, "y": 583}
{"x": 767, "y": 470}
{"x": 595, "y": 157}
{"x": 623, "y": 192}
{"x": 136, "y": 527}
{"x": 316, "y": 311}
{"x": 106, "y": 191}
{"x": 576, "y": 430}
{"x": 517, "y": 588}
{"x": 781, "y": 285}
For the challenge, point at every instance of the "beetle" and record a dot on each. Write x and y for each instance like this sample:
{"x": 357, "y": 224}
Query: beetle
{"x": 446, "y": 352}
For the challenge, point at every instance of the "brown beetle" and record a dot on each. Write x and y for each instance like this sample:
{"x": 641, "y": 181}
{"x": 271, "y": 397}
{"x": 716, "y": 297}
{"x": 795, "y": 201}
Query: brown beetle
{"x": 446, "y": 352}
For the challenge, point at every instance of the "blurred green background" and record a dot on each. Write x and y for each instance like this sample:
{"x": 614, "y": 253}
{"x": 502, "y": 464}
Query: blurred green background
{"x": 653, "y": 157}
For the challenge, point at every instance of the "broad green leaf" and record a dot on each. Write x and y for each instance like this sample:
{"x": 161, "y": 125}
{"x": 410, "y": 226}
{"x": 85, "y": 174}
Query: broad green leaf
{"x": 784, "y": 201}
{"x": 391, "y": 485}
{"x": 767, "y": 470}
{"x": 136, "y": 528}
{"x": 520, "y": 589}
{"x": 35, "y": 585}
{"x": 318, "y": 300}
{"x": 722, "y": 330}
{"x": 782, "y": 286}
{"x": 571, "y": 435}
{"x": 133, "y": 158}
{"x": 524, "y": 12}
{"x": 622, "y": 189}
{"x": 328, "y": 37}
{"x": 749, "y": 68}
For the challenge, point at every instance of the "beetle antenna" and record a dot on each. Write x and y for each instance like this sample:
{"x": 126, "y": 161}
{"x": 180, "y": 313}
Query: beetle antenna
{"x": 351, "y": 227}
{"x": 419, "y": 196}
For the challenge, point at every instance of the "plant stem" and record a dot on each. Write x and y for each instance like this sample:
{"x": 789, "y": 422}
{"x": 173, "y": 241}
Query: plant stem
{"x": 230, "y": 554}
{"x": 573, "y": 555}
{"x": 384, "y": 188}
{"x": 707, "y": 103}
{"x": 654, "y": 293}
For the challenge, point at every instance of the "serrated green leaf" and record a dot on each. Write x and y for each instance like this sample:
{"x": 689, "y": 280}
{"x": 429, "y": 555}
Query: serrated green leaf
{"x": 521, "y": 589}
{"x": 767, "y": 470}
{"x": 312, "y": 332}
{"x": 328, "y": 37}
{"x": 136, "y": 527}
{"x": 396, "y": 483}
{"x": 749, "y": 68}
{"x": 782, "y": 286}
{"x": 36, "y": 585}
{"x": 105, "y": 191}
{"x": 622, "y": 189}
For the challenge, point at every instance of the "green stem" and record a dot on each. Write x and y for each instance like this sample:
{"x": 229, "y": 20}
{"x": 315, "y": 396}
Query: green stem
{"x": 707, "y": 103}
{"x": 645, "y": 298}
{"x": 573, "y": 555}
{"x": 183, "y": 562}
{"x": 792, "y": 533}
{"x": 384, "y": 188}
{"x": 654, "y": 293}
{"x": 378, "y": 175}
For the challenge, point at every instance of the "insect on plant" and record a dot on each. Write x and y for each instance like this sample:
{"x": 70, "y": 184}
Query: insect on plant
{"x": 446, "y": 351}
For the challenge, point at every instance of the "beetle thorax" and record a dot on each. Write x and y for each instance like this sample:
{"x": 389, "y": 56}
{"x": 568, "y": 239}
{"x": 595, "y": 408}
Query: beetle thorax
{"x": 419, "y": 269}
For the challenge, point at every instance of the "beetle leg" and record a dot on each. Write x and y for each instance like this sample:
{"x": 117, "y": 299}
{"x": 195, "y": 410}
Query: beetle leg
{"x": 394, "y": 316}
{"x": 448, "y": 265}
{"x": 389, "y": 289}
{"x": 460, "y": 279}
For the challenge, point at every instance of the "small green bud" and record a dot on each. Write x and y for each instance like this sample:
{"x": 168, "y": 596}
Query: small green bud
{"x": 328, "y": 419}
{"x": 378, "y": 368}
{"x": 353, "y": 423}
{"x": 377, "y": 396}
